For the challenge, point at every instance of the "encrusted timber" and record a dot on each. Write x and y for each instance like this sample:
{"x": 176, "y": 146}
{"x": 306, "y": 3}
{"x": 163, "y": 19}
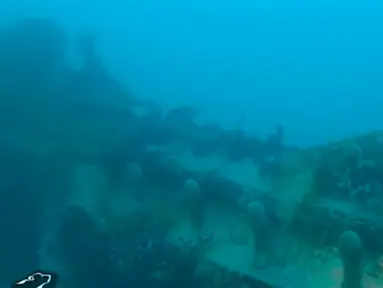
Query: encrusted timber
{"x": 323, "y": 222}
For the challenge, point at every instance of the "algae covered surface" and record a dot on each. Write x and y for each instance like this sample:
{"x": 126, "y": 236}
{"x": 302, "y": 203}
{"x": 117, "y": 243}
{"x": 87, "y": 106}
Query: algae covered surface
{"x": 108, "y": 184}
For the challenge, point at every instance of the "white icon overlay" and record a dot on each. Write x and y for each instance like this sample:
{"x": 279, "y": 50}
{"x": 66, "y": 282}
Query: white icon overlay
{"x": 31, "y": 278}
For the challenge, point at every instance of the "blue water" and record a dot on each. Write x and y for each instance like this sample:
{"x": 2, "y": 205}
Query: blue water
{"x": 314, "y": 66}
{"x": 105, "y": 171}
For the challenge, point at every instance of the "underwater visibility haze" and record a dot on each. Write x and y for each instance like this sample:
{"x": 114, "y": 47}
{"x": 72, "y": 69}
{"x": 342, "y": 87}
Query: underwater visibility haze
{"x": 191, "y": 144}
{"x": 316, "y": 62}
